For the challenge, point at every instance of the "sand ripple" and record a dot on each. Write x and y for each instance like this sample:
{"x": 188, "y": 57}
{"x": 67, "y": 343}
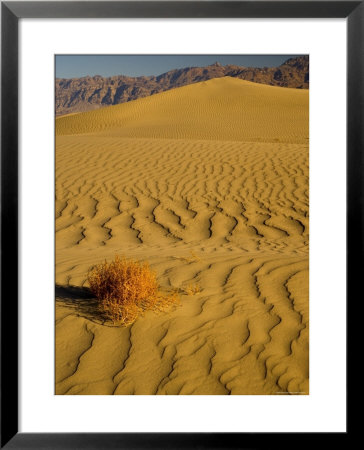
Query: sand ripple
{"x": 231, "y": 217}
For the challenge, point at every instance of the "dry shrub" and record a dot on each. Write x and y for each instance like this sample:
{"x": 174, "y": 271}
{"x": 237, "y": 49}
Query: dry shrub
{"x": 126, "y": 288}
{"x": 193, "y": 289}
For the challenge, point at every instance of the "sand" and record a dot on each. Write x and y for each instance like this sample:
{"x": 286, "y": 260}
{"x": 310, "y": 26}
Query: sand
{"x": 209, "y": 184}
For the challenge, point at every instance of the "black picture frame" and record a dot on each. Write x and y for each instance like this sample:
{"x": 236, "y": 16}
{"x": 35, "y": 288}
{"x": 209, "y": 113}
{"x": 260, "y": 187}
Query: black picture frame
{"x": 11, "y": 12}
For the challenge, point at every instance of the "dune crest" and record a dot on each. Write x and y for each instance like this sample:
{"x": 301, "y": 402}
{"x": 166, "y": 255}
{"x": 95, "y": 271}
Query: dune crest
{"x": 209, "y": 184}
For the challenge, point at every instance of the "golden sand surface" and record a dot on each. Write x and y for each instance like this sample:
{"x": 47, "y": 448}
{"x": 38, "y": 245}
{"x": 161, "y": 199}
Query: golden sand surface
{"x": 209, "y": 184}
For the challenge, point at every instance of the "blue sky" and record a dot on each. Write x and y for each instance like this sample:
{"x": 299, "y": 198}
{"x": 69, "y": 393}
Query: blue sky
{"x": 72, "y": 66}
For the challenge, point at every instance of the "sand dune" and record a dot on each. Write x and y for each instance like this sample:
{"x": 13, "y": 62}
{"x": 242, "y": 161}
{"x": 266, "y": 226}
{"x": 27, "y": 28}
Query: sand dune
{"x": 209, "y": 183}
{"x": 220, "y": 109}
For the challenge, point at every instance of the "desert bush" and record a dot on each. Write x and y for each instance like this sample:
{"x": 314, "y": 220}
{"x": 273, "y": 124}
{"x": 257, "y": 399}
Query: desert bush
{"x": 193, "y": 289}
{"x": 126, "y": 288}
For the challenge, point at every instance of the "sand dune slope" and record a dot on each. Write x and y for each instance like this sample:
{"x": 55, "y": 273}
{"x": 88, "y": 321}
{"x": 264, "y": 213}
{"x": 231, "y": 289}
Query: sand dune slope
{"x": 219, "y": 109}
{"x": 209, "y": 183}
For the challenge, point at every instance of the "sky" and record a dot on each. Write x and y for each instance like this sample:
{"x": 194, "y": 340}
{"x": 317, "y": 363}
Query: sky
{"x": 74, "y": 66}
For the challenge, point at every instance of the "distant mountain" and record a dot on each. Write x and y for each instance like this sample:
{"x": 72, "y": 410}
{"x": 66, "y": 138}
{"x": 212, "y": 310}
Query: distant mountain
{"x": 84, "y": 94}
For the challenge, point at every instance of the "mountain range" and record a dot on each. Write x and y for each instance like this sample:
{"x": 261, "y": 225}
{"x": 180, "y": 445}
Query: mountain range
{"x": 76, "y": 95}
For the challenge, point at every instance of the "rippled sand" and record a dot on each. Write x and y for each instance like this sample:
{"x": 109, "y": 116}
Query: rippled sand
{"x": 209, "y": 184}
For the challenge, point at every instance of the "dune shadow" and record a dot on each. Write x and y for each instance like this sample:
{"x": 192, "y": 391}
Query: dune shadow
{"x": 81, "y": 300}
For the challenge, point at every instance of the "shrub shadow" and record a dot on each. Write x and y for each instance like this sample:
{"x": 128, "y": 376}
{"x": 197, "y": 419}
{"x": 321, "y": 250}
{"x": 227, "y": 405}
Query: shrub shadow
{"x": 81, "y": 300}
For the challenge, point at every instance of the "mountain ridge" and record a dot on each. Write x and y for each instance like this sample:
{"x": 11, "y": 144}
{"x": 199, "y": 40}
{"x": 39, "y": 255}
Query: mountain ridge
{"x": 88, "y": 93}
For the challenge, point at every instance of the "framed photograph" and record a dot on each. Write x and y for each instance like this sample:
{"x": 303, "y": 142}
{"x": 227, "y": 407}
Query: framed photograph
{"x": 176, "y": 260}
